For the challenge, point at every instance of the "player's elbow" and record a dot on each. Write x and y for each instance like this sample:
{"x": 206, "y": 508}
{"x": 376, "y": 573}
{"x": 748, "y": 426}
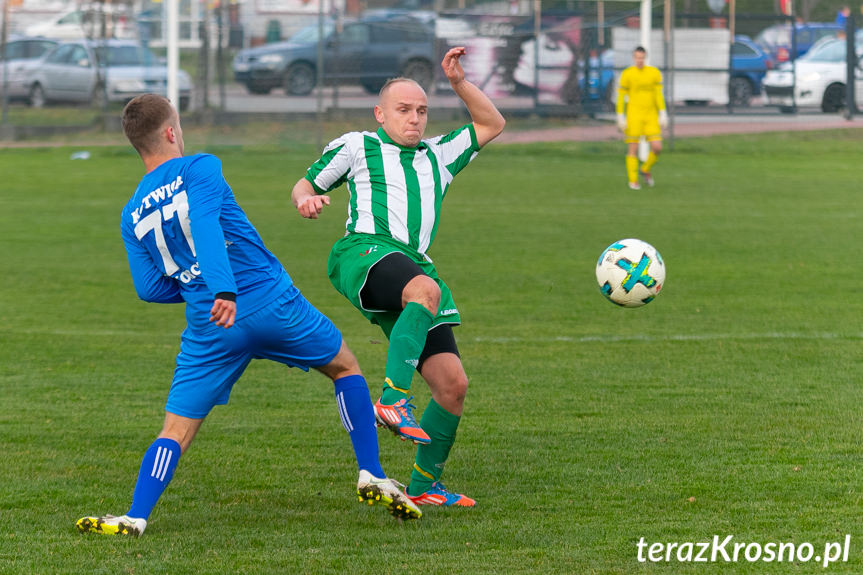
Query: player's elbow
{"x": 158, "y": 294}
{"x": 151, "y": 297}
{"x": 499, "y": 125}
{"x": 489, "y": 130}
{"x": 147, "y": 297}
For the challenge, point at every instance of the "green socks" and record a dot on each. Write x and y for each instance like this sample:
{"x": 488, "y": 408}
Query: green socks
{"x": 441, "y": 426}
{"x": 407, "y": 340}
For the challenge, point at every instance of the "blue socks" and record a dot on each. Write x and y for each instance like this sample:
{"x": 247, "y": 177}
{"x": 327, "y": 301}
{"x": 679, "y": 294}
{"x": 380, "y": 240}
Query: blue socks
{"x": 157, "y": 469}
{"x": 358, "y": 419}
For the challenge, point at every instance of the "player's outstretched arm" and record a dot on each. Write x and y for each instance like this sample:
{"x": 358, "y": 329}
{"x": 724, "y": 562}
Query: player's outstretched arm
{"x": 488, "y": 122}
{"x": 307, "y": 202}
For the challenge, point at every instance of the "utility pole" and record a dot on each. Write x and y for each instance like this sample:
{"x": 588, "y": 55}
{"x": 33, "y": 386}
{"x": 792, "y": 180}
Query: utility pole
{"x": 3, "y": 33}
{"x": 850, "y": 67}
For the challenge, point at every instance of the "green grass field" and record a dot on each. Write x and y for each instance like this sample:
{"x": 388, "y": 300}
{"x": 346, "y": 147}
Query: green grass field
{"x": 729, "y": 406}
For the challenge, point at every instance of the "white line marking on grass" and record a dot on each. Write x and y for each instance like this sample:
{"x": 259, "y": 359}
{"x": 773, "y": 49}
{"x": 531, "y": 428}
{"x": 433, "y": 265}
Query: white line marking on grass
{"x": 674, "y": 337}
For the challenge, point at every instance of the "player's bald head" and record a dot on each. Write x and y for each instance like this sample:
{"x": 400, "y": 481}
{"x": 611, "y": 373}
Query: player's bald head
{"x": 402, "y": 111}
{"x": 400, "y": 86}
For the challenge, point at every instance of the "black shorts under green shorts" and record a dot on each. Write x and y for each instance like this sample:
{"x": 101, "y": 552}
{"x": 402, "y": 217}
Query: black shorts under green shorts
{"x": 355, "y": 254}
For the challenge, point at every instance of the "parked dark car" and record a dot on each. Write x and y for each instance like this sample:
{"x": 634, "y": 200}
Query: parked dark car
{"x": 776, "y": 39}
{"x": 749, "y": 64}
{"x": 366, "y": 52}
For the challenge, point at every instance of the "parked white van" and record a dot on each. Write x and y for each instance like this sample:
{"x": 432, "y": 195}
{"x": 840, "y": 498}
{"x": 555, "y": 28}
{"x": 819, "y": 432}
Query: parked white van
{"x": 87, "y": 22}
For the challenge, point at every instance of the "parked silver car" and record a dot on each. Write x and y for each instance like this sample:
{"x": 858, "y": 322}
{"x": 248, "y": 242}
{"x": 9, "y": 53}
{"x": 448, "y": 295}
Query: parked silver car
{"x": 18, "y": 56}
{"x": 92, "y": 71}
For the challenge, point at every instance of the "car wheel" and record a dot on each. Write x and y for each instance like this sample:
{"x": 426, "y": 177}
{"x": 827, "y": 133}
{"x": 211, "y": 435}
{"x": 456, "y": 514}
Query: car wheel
{"x": 834, "y": 98}
{"x": 36, "y": 97}
{"x": 299, "y": 80}
{"x": 740, "y": 92}
{"x": 420, "y": 71}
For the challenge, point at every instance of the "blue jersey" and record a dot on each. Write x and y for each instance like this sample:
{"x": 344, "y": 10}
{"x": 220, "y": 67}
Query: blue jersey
{"x": 187, "y": 240}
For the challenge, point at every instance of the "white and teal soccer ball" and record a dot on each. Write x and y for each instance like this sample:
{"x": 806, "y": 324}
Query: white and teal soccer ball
{"x": 630, "y": 273}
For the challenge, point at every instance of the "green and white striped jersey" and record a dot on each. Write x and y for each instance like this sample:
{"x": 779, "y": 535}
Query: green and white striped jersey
{"x": 395, "y": 191}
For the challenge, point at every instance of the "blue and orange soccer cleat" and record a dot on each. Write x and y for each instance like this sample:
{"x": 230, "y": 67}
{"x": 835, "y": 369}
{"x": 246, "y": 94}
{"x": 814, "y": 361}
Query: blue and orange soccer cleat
{"x": 439, "y": 495}
{"x": 399, "y": 419}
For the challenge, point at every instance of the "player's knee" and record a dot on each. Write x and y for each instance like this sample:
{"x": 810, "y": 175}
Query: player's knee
{"x": 457, "y": 389}
{"x": 180, "y": 429}
{"x": 346, "y": 363}
{"x": 184, "y": 441}
{"x": 343, "y": 364}
{"x": 424, "y": 291}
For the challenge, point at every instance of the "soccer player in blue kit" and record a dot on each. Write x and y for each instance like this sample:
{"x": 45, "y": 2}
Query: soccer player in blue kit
{"x": 189, "y": 241}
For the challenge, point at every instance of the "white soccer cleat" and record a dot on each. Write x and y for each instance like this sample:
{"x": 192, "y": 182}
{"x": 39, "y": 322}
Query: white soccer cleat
{"x": 648, "y": 179}
{"x": 634, "y": 186}
{"x": 111, "y": 525}
{"x": 388, "y": 492}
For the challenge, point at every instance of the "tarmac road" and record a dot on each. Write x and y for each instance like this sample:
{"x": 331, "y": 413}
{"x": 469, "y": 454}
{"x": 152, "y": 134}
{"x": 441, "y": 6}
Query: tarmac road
{"x": 238, "y": 99}
{"x": 687, "y": 122}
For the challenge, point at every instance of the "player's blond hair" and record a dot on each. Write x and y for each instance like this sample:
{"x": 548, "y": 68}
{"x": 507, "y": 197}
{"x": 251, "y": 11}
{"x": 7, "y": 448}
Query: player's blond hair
{"x": 143, "y": 118}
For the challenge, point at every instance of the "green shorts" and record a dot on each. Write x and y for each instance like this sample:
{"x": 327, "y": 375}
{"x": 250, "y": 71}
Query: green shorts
{"x": 353, "y": 256}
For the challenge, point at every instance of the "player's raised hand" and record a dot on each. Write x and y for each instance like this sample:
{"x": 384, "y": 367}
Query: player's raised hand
{"x": 223, "y": 312}
{"x": 451, "y": 65}
{"x": 312, "y": 206}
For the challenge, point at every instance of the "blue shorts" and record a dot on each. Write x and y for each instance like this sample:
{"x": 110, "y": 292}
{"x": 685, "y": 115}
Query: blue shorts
{"x": 288, "y": 330}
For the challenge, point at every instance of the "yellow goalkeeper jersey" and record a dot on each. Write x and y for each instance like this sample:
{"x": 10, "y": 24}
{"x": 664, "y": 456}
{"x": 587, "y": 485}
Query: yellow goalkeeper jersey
{"x": 641, "y": 90}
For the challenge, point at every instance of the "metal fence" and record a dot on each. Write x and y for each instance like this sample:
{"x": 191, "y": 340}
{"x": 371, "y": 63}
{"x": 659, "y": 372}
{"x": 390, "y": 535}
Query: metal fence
{"x": 531, "y": 60}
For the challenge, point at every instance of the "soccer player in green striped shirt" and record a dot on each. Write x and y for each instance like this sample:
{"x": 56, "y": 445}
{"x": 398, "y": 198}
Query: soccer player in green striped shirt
{"x": 397, "y": 182}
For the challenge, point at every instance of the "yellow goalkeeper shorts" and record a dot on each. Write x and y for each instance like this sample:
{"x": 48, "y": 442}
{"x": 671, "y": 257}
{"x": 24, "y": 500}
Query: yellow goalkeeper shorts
{"x": 638, "y": 125}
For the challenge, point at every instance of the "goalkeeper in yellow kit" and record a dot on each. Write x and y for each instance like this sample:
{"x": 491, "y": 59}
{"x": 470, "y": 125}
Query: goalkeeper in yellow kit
{"x": 640, "y": 94}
